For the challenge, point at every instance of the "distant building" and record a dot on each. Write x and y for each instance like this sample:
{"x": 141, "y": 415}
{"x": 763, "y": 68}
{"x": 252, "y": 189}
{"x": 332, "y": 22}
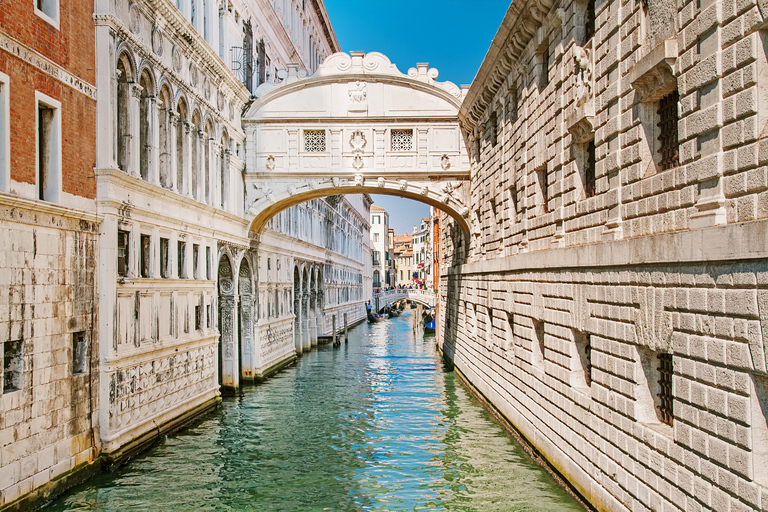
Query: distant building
{"x": 403, "y": 250}
{"x": 379, "y": 246}
{"x": 421, "y": 250}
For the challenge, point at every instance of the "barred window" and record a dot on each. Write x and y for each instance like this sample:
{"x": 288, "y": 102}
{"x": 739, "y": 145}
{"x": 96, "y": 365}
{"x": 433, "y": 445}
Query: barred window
{"x": 589, "y": 20}
{"x": 589, "y": 170}
{"x": 314, "y": 141}
{"x": 665, "y": 389}
{"x": 402, "y": 140}
{"x": 123, "y": 252}
{"x": 667, "y": 112}
{"x": 79, "y": 353}
{"x": 13, "y": 366}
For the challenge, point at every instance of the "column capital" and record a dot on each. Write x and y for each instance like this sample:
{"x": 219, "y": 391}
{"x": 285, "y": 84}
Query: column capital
{"x": 136, "y": 90}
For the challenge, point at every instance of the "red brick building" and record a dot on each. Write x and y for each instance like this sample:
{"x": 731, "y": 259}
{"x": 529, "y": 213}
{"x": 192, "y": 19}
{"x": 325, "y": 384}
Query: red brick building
{"x": 48, "y": 247}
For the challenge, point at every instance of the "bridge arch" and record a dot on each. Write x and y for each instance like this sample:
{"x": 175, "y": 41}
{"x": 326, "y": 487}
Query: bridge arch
{"x": 357, "y": 125}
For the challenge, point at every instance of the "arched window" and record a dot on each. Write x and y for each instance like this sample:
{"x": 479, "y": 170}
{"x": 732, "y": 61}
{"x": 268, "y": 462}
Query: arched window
{"x": 145, "y": 136}
{"x": 125, "y": 79}
{"x": 181, "y": 110}
{"x": 207, "y": 139}
{"x": 224, "y": 170}
{"x": 166, "y": 145}
{"x": 194, "y": 140}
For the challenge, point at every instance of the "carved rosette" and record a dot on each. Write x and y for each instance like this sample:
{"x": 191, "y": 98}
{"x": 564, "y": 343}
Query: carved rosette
{"x": 157, "y": 41}
{"x": 176, "y": 58}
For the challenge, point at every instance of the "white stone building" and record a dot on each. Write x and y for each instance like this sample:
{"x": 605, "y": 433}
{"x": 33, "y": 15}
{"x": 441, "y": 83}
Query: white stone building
{"x": 380, "y": 246}
{"x": 189, "y": 299}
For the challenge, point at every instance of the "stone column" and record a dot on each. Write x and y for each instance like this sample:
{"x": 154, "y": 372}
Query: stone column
{"x": 229, "y": 356}
{"x": 134, "y": 114}
{"x": 154, "y": 140}
{"x": 312, "y": 320}
{"x": 187, "y": 152}
{"x": 173, "y": 122}
{"x": 306, "y": 343}
{"x": 216, "y": 175}
{"x": 226, "y": 179}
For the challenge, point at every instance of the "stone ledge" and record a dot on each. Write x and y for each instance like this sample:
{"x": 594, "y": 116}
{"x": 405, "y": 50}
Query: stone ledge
{"x": 55, "y": 487}
{"x": 150, "y": 437}
{"x": 732, "y": 242}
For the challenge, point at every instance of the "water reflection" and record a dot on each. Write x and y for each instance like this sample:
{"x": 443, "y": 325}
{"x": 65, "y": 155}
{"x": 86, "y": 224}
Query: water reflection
{"x": 375, "y": 425}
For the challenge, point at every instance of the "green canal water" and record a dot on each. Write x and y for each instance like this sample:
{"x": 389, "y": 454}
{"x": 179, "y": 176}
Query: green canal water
{"x": 378, "y": 424}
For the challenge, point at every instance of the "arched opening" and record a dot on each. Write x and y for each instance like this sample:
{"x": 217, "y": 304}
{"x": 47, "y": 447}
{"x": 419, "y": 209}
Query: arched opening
{"x": 207, "y": 141}
{"x": 195, "y": 142}
{"x": 226, "y": 352}
{"x": 145, "y": 134}
{"x": 182, "y": 131}
{"x": 164, "y": 126}
{"x": 245, "y": 324}
{"x": 376, "y": 279}
{"x": 224, "y": 171}
{"x": 297, "y": 308}
{"x": 125, "y": 78}
{"x": 305, "y": 339}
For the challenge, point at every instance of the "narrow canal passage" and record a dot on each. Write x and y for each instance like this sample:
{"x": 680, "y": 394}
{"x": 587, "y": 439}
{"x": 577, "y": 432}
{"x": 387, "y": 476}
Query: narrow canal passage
{"x": 377, "y": 424}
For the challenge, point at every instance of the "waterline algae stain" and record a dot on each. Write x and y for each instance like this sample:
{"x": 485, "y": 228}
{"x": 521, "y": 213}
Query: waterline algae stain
{"x": 375, "y": 425}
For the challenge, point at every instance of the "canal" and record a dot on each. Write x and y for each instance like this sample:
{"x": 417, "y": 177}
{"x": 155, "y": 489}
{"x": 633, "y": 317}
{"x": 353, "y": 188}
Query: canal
{"x": 378, "y": 424}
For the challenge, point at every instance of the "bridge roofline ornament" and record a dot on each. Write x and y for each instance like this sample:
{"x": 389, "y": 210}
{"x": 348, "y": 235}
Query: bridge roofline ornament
{"x": 357, "y": 67}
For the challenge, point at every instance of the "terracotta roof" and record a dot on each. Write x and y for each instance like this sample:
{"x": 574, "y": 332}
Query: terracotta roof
{"x": 377, "y": 208}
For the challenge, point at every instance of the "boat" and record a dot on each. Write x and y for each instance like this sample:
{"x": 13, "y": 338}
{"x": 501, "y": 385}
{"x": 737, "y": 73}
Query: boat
{"x": 374, "y": 318}
{"x": 429, "y": 327}
{"x": 394, "y": 313}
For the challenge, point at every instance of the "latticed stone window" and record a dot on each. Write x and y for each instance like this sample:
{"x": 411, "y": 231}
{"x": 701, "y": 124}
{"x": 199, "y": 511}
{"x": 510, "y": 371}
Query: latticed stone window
{"x": 402, "y": 140}
{"x": 314, "y": 141}
{"x": 668, "y": 148}
{"x": 665, "y": 389}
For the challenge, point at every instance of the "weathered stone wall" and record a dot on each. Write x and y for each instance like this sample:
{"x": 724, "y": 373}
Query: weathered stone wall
{"x": 48, "y": 395}
{"x": 569, "y": 298}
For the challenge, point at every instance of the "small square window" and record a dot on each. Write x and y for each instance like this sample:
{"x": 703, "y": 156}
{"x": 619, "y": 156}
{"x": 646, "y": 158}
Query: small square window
{"x": 181, "y": 260}
{"x": 13, "y": 366}
{"x": 196, "y": 260}
{"x": 402, "y": 140}
{"x": 146, "y": 251}
{"x": 314, "y": 141}
{"x": 123, "y": 252}
{"x": 208, "y": 263}
{"x": 79, "y": 353}
{"x": 48, "y": 10}
{"x": 164, "y": 269}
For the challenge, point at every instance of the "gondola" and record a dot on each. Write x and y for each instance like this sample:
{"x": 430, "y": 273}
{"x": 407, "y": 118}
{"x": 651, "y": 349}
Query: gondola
{"x": 429, "y": 327}
{"x": 374, "y": 318}
{"x": 394, "y": 313}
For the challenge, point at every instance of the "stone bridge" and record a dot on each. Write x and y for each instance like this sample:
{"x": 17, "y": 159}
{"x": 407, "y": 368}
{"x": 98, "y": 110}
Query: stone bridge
{"x": 357, "y": 125}
{"x": 424, "y": 297}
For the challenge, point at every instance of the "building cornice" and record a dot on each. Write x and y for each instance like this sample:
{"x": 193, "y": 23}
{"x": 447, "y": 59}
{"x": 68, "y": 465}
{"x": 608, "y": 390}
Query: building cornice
{"x": 518, "y": 28}
{"x": 45, "y": 208}
{"x": 46, "y": 65}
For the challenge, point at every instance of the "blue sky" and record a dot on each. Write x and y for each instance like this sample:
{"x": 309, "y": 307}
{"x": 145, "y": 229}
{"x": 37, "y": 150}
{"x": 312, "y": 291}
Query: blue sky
{"x": 452, "y": 35}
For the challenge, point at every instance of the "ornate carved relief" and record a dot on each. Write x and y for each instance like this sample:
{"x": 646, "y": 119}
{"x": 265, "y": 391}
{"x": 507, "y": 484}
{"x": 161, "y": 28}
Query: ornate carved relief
{"x": 157, "y": 41}
{"x": 583, "y": 76}
{"x": 176, "y": 59}
{"x": 271, "y": 163}
{"x": 357, "y": 92}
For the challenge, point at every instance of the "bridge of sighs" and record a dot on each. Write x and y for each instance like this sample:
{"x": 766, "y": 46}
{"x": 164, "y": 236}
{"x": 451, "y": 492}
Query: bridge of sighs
{"x": 357, "y": 125}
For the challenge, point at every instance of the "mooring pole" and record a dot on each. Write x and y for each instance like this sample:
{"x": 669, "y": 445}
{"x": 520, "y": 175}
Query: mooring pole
{"x": 346, "y": 329}
{"x": 334, "y": 330}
